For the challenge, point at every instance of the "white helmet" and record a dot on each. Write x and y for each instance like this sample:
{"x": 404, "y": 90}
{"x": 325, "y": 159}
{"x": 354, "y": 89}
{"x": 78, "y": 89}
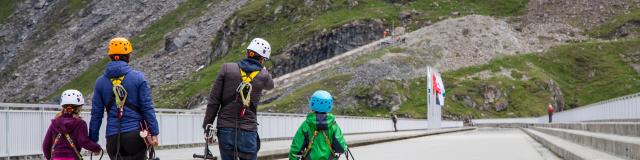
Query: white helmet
{"x": 261, "y": 47}
{"x": 71, "y": 96}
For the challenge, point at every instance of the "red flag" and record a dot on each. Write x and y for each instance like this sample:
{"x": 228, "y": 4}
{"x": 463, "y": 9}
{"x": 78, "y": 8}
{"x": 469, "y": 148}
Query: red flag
{"x": 436, "y": 88}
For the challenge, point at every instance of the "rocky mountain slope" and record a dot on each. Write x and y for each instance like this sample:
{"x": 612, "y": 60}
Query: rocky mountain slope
{"x": 484, "y": 46}
{"x": 172, "y": 32}
{"x": 504, "y": 80}
{"x": 46, "y": 43}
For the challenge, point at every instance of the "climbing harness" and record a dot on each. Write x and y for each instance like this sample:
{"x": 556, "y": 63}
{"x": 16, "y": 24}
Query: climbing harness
{"x": 326, "y": 138}
{"x": 309, "y": 146}
{"x": 244, "y": 94}
{"x": 120, "y": 96}
{"x": 245, "y": 85}
{"x": 208, "y": 136}
{"x": 73, "y": 146}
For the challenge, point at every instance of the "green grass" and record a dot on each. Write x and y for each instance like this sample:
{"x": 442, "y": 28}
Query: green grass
{"x": 258, "y": 20}
{"x": 7, "y": 8}
{"x": 607, "y": 29}
{"x": 375, "y": 55}
{"x": 586, "y": 72}
{"x": 148, "y": 41}
{"x": 299, "y": 98}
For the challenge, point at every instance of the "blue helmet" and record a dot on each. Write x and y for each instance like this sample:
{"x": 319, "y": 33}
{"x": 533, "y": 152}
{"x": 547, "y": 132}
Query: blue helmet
{"x": 321, "y": 101}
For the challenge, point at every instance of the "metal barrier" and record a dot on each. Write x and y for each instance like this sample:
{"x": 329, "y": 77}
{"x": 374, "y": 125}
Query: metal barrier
{"x": 22, "y": 130}
{"x": 621, "y": 108}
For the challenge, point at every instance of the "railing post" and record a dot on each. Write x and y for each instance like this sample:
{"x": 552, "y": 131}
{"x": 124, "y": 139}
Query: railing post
{"x": 6, "y": 134}
{"x": 178, "y": 128}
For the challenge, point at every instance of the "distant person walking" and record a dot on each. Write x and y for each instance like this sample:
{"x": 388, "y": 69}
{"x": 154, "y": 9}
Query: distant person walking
{"x": 386, "y": 33}
{"x": 550, "y": 112}
{"x": 67, "y": 134}
{"x": 125, "y": 95}
{"x": 394, "y": 118}
{"x": 234, "y": 101}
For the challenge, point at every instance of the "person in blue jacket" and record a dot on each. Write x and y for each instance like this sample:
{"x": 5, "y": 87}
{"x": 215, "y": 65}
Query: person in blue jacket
{"x": 124, "y": 139}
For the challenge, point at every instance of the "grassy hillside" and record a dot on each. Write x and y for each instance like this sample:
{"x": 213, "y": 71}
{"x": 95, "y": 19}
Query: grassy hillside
{"x": 606, "y": 30}
{"x": 586, "y": 73}
{"x": 295, "y": 22}
{"x": 6, "y": 9}
{"x": 148, "y": 41}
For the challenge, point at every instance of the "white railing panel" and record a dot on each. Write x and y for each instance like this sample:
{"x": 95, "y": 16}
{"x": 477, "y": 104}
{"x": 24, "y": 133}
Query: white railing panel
{"x": 24, "y": 130}
{"x": 4, "y": 142}
{"x": 622, "y": 108}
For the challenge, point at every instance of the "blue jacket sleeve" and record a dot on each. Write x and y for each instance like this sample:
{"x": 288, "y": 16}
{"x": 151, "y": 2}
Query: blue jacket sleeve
{"x": 148, "y": 110}
{"x": 97, "y": 112}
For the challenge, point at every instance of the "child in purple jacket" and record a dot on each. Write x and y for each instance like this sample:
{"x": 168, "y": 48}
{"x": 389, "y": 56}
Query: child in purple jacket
{"x": 68, "y": 134}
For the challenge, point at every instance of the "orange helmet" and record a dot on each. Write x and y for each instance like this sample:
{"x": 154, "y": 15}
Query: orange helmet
{"x": 119, "y": 45}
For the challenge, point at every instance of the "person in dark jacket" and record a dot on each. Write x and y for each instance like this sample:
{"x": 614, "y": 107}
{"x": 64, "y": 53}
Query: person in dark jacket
{"x": 138, "y": 106}
{"x": 394, "y": 119}
{"x": 56, "y": 144}
{"x": 550, "y": 111}
{"x": 236, "y": 108}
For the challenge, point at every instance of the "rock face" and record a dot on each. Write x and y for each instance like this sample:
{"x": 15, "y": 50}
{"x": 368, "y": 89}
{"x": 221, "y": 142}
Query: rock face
{"x": 29, "y": 40}
{"x": 629, "y": 29}
{"x": 585, "y": 13}
{"x": 493, "y": 96}
{"x": 633, "y": 59}
{"x": 473, "y": 40}
{"x": 557, "y": 98}
{"x": 44, "y": 46}
{"x": 188, "y": 48}
{"x": 326, "y": 45}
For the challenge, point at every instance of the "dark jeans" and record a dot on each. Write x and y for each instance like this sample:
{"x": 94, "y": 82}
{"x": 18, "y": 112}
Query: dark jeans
{"x": 550, "y": 118}
{"x": 395, "y": 127}
{"x": 247, "y": 143}
{"x": 132, "y": 146}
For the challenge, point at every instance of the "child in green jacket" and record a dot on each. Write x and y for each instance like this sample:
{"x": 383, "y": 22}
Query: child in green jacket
{"x": 319, "y": 136}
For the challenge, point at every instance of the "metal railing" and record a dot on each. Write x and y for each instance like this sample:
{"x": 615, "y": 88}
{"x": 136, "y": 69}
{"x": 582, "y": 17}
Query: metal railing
{"x": 22, "y": 128}
{"x": 621, "y": 108}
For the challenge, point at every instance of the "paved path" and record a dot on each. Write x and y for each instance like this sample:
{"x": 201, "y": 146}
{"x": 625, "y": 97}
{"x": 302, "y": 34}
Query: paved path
{"x": 271, "y": 146}
{"x": 483, "y": 143}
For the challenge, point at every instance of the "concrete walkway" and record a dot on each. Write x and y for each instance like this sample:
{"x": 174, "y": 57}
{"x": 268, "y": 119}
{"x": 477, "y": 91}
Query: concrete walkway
{"x": 482, "y": 143}
{"x": 277, "y": 148}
